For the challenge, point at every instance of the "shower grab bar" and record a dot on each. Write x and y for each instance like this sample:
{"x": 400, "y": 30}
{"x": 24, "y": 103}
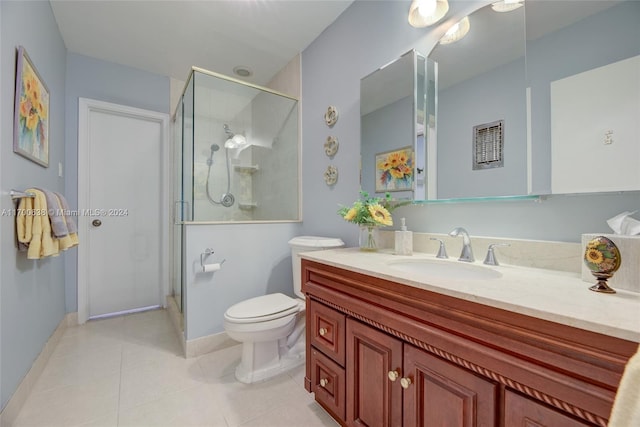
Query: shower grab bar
{"x": 20, "y": 194}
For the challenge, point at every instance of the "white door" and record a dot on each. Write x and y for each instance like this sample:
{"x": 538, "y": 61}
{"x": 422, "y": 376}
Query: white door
{"x": 122, "y": 221}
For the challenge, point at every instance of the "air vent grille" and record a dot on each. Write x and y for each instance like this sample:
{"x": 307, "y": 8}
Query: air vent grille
{"x": 488, "y": 145}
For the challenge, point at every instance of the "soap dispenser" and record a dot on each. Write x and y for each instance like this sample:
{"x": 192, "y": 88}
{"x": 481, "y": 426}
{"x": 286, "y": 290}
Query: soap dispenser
{"x": 404, "y": 240}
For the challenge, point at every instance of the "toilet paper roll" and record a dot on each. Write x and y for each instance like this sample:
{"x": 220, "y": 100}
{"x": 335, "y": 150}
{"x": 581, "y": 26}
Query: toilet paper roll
{"x": 207, "y": 268}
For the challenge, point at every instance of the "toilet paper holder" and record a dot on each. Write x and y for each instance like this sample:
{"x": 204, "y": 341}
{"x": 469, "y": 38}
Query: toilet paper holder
{"x": 205, "y": 254}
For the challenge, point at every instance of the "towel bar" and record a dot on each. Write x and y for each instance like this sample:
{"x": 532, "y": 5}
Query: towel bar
{"x": 20, "y": 194}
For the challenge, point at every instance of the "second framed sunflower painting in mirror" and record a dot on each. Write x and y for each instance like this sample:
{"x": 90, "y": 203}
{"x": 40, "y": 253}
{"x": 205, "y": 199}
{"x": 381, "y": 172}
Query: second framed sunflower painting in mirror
{"x": 394, "y": 170}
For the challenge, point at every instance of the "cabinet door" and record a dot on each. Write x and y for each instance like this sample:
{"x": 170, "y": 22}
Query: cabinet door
{"x": 443, "y": 394}
{"x": 373, "y": 400}
{"x": 522, "y": 411}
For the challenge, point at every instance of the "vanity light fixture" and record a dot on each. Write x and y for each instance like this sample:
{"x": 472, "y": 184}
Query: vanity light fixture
{"x": 423, "y": 13}
{"x": 457, "y": 32}
{"x": 507, "y": 5}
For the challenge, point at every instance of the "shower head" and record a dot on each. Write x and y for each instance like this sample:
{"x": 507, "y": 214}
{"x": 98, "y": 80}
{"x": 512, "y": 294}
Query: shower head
{"x": 234, "y": 140}
{"x": 214, "y": 148}
{"x": 228, "y": 131}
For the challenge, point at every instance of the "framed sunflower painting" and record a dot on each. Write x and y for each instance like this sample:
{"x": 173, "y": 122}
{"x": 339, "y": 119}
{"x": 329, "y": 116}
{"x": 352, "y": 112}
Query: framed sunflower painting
{"x": 31, "y": 114}
{"x": 394, "y": 170}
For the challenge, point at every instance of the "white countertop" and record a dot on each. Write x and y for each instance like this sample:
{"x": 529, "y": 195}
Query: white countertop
{"x": 546, "y": 294}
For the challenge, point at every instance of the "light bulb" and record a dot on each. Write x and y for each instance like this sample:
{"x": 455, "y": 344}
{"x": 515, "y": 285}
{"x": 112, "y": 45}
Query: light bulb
{"x": 506, "y": 5}
{"x": 451, "y": 31}
{"x": 458, "y": 31}
{"x": 423, "y": 13}
{"x": 426, "y": 7}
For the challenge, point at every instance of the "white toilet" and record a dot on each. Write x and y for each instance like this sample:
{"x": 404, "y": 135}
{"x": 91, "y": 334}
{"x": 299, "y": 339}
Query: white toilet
{"x": 271, "y": 327}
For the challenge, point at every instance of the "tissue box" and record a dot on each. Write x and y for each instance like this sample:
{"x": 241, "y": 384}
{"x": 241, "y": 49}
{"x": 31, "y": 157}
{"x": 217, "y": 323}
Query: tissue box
{"x": 628, "y": 275}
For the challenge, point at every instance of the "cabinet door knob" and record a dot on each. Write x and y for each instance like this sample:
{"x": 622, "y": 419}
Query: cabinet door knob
{"x": 323, "y": 331}
{"x": 405, "y": 382}
{"x": 324, "y": 382}
{"x": 393, "y": 375}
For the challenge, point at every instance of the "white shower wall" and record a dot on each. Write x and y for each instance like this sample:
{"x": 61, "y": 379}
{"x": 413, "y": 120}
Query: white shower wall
{"x": 270, "y": 191}
{"x": 208, "y": 130}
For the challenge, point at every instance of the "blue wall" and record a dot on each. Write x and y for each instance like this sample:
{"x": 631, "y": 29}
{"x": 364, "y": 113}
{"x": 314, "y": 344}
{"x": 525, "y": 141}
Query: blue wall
{"x": 258, "y": 262}
{"x": 463, "y": 106}
{"x": 31, "y": 292}
{"x": 104, "y": 81}
{"x": 366, "y": 36}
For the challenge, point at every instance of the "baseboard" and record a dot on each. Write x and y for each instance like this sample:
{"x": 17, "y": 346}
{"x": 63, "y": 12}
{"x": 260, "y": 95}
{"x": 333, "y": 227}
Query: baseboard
{"x": 203, "y": 345}
{"x": 14, "y": 405}
{"x": 177, "y": 320}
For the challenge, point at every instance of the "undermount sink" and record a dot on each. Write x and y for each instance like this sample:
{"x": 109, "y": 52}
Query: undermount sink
{"x": 445, "y": 269}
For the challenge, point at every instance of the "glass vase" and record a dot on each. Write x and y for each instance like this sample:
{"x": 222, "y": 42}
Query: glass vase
{"x": 368, "y": 238}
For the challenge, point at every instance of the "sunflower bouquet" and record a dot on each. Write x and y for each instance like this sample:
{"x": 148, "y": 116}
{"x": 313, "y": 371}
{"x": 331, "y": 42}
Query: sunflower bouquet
{"x": 368, "y": 211}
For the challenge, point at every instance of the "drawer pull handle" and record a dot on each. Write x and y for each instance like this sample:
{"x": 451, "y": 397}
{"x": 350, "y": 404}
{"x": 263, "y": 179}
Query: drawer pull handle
{"x": 393, "y": 375}
{"x": 405, "y": 383}
{"x": 323, "y": 331}
{"x": 324, "y": 382}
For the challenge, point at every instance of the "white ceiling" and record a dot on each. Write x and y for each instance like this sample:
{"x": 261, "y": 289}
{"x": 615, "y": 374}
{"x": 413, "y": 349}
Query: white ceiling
{"x": 167, "y": 37}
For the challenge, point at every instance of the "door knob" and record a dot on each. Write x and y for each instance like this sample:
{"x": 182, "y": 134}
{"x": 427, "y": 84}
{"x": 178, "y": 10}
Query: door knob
{"x": 393, "y": 375}
{"x": 96, "y": 223}
{"x": 324, "y": 382}
{"x": 405, "y": 383}
{"x": 323, "y": 331}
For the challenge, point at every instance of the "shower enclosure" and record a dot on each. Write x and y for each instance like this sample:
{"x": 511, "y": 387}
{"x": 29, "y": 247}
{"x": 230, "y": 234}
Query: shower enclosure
{"x": 236, "y": 157}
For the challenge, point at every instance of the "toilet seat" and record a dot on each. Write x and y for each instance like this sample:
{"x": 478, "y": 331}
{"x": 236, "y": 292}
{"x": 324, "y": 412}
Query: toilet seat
{"x": 263, "y": 309}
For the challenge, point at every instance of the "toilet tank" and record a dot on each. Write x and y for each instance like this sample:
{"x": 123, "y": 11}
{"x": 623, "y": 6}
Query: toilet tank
{"x": 307, "y": 244}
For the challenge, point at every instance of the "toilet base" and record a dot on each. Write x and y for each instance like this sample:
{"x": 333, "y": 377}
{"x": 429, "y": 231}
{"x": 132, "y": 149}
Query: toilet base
{"x": 263, "y": 360}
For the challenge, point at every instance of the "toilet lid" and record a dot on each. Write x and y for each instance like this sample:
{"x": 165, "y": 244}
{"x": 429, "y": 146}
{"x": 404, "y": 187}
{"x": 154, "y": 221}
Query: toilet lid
{"x": 265, "y": 307}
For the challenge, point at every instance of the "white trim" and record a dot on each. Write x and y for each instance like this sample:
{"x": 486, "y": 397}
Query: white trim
{"x": 178, "y": 322}
{"x": 207, "y": 344}
{"x": 85, "y": 106}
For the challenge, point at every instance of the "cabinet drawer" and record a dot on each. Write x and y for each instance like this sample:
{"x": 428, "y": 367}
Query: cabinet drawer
{"x": 328, "y": 331}
{"x": 522, "y": 411}
{"x": 328, "y": 383}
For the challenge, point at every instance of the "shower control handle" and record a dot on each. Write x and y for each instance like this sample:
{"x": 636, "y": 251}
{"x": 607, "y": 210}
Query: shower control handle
{"x": 96, "y": 223}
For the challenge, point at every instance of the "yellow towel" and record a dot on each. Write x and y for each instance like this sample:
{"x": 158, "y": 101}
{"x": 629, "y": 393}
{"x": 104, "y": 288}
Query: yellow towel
{"x": 36, "y": 219}
{"x": 626, "y": 406}
{"x": 24, "y": 223}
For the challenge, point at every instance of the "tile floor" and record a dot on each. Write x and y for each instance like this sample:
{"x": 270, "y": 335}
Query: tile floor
{"x": 128, "y": 371}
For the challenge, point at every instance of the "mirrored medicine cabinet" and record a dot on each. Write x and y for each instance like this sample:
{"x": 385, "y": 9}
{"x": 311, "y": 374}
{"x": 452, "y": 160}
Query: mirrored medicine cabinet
{"x": 530, "y": 102}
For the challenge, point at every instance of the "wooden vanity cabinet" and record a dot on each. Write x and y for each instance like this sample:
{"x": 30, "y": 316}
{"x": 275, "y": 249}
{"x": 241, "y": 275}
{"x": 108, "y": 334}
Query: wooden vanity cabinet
{"x": 381, "y": 353}
{"x": 391, "y": 383}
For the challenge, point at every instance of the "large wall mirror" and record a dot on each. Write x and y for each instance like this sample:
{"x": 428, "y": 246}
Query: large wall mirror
{"x": 529, "y": 101}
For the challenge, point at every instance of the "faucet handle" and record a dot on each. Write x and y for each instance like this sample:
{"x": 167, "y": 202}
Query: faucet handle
{"x": 491, "y": 259}
{"x": 442, "y": 251}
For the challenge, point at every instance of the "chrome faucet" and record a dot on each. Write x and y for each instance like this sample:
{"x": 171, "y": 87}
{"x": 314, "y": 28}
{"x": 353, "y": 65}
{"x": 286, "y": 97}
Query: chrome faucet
{"x": 467, "y": 253}
{"x": 490, "y": 259}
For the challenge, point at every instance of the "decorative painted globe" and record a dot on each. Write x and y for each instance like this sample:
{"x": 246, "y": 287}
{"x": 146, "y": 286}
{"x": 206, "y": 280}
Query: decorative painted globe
{"x": 602, "y": 257}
